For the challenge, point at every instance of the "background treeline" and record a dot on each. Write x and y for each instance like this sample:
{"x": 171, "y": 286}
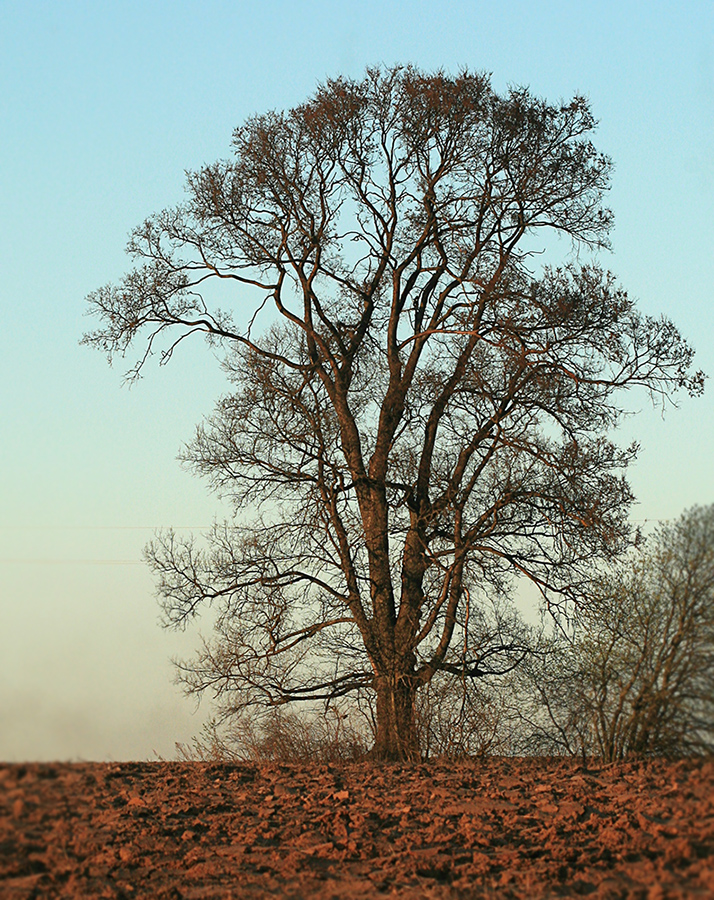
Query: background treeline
{"x": 629, "y": 672}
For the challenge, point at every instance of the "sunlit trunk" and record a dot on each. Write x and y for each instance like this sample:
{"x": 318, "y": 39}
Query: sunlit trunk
{"x": 396, "y": 738}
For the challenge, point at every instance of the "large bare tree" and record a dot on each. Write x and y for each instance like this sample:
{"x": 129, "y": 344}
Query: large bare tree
{"x": 414, "y": 416}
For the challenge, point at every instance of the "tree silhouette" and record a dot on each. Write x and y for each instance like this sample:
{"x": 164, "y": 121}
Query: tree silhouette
{"x": 414, "y": 417}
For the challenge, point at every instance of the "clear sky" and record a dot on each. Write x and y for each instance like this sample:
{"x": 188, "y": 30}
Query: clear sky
{"x": 102, "y": 108}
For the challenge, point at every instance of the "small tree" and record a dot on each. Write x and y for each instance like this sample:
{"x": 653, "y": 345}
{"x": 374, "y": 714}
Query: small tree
{"x": 421, "y": 416}
{"x": 637, "y": 677}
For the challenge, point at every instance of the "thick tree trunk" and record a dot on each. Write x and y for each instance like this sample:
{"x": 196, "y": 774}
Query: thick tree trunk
{"x": 397, "y": 738}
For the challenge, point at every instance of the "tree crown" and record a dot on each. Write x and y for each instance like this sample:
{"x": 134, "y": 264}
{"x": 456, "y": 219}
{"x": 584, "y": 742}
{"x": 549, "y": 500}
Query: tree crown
{"x": 422, "y": 416}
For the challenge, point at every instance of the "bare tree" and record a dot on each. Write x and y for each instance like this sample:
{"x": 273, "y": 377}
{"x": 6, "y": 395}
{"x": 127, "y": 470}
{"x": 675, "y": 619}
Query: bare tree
{"x": 418, "y": 417}
{"x": 636, "y": 677}
{"x": 647, "y": 647}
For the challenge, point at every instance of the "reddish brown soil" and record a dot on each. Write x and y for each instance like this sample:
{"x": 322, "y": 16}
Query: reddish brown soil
{"x": 491, "y": 828}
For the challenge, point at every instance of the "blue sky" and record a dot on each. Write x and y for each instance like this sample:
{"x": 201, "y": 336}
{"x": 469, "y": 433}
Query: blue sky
{"x": 102, "y": 108}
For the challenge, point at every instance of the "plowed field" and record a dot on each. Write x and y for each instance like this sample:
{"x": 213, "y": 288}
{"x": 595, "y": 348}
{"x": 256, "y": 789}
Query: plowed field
{"x": 495, "y": 828}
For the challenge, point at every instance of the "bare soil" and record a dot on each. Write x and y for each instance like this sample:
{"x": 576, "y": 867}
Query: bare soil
{"x": 478, "y": 828}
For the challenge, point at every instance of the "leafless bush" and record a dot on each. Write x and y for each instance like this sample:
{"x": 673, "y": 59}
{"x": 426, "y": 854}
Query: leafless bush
{"x": 463, "y": 719}
{"x": 279, "y": 735}
{"x": 635, "y": 675}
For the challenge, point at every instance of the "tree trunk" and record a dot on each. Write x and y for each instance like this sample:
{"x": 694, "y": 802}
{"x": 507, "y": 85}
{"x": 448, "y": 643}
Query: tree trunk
{"x": 397, "y": 738}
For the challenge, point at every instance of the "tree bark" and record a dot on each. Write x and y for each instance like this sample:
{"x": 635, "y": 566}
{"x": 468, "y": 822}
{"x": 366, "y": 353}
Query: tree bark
{"x": 397, "y": 739}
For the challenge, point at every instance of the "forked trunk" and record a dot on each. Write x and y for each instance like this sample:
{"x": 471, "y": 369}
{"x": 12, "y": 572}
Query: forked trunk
{"x": 396, "y": 738}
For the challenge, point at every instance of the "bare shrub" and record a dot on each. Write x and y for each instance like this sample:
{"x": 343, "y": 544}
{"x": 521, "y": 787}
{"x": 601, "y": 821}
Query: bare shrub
{"x": 634, "y": 674}
{"x": 280, "y": 735}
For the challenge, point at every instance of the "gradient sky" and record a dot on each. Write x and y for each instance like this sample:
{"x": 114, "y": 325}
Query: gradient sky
{"x": 102, "y": 108}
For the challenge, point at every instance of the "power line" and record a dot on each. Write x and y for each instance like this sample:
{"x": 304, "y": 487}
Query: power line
{"x": 28, "y": 561}
{"x": 103, "y": 527}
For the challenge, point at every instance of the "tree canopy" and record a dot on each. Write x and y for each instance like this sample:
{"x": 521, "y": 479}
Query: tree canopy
{"x": 414, "y": 415}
